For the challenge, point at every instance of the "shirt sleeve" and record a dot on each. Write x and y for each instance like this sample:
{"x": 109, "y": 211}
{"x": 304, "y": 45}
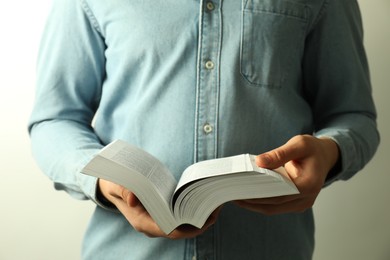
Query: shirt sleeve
{"x": 337, "y": 85}
{"x": 70, "y": 72}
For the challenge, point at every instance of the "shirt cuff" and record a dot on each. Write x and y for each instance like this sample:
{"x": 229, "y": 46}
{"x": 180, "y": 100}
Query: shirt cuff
{"x": 91, "y": 190}
{"x": 345, "y": 145}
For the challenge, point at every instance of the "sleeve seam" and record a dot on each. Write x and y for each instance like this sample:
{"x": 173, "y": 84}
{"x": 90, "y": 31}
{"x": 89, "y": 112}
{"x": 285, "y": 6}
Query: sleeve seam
{"x": 90, "y": 15}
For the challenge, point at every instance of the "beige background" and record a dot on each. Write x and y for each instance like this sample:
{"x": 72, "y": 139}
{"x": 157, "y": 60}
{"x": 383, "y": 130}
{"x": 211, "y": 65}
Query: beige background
{"x": 36, "y": 222}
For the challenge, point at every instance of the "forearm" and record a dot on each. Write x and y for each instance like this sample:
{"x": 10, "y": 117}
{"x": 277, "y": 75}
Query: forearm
{"x": 61, "y": 148}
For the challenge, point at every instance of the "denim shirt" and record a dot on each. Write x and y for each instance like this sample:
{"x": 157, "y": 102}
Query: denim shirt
{"x": 192, "y": 80}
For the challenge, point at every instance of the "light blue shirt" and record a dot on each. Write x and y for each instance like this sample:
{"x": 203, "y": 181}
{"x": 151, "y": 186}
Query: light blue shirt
{"x": 192, "y": 80}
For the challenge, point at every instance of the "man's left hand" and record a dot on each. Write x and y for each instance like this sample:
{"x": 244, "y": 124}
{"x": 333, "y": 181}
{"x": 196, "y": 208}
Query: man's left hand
{"x": 307, "y": 160}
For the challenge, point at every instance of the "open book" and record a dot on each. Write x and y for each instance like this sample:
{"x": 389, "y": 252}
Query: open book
{"x": 202, "y": 187}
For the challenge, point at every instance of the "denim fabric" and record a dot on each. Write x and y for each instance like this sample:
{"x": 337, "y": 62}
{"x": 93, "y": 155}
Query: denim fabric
{"x": 192, "y": 80}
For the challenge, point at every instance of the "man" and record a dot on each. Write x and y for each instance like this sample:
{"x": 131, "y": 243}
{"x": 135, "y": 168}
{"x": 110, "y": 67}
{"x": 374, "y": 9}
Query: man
{"x": 195, "y": 80}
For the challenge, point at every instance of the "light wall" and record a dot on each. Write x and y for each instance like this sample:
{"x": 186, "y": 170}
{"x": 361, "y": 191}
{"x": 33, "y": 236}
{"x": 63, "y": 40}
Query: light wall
{"x": 353, "y": 218}
{"x": 37, "y": 222}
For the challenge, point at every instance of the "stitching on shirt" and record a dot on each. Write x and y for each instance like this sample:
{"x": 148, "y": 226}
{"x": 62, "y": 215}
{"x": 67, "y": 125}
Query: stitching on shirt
{"x": 90, "y": 15}
{"x": 320, "y": 13}
{"x": 285, "y": 13}
{"x": 199, "y": 55}
{"x": 288, "y": 9}
{"x": 217, "y": 98}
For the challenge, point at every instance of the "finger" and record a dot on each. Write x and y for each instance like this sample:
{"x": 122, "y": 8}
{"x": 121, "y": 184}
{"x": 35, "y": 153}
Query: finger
{"x": 142, "y": 222}
{"x": 140, "y": 219}
{"x": 135, "y": 213}
{"x": 296, "y": 206}
{"x": 293, "y": 149}
{"x": 213, "y": 217}
{"x": 273, "y": 200}
{"x": 129, "y": 197}
{"x": 188, "y": 231}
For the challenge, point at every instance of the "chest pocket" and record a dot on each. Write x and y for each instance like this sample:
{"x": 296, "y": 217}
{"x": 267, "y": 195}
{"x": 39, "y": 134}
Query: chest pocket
{"x": 272, "y": 39}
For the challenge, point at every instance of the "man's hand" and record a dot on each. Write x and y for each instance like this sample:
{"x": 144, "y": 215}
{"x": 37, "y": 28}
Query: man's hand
{"x": 129, "y": 205}
{"x": 307, "y": 160}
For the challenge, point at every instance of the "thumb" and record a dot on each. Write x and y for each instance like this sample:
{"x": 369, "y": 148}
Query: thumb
{"x": 270, "y": 160}
{"x": 129, "y": 197}
{"x": 278, "y": 157}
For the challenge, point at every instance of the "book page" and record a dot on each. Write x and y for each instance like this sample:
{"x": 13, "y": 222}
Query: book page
{"x": 215, "y": 167}
{"x": 138, "y": 160}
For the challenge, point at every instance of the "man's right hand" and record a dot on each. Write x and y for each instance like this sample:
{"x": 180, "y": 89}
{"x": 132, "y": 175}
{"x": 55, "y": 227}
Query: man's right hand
{"x": 135, "y": 213}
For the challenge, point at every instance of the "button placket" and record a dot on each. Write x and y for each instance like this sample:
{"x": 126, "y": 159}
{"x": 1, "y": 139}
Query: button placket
{"x": 208, "y": 81}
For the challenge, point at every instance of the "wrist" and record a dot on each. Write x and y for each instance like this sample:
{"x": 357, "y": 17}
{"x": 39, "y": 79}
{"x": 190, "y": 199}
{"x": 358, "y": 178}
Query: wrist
{"x": 332, "y": 155}
{"x": 101, "y": 198}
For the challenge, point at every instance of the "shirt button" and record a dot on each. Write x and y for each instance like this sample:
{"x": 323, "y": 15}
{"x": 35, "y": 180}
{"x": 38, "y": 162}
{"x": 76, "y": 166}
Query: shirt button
{"x": 207, "y": 128}
{"x": 209, "y": 65}
{"x": 210, "y": 6}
